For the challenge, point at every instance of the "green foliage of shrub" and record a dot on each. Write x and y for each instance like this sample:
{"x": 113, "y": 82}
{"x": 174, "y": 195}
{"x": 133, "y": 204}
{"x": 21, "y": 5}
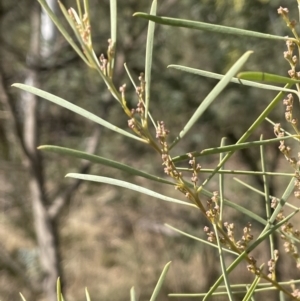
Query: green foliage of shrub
{"x": 183, "y": 170}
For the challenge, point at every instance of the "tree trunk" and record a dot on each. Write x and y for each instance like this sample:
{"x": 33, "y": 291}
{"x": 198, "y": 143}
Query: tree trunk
{"x": 44, "y": 229}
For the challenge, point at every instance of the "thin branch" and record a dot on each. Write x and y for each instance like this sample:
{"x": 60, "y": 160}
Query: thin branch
{"x": 14, "y": 129}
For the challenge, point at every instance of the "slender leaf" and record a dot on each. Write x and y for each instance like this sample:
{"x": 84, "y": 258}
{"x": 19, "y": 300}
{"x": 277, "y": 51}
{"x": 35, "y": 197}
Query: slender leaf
{"x": 266, "y": 194}
{"x": 68, "y": 105}
{"x": 262, "y": 288}
{"x": 234, "y": 80}
{"x": 198, "y": 295}
{"x": 58, "y": 290}
{"x": 232, "y": 147}
{"x": 87, "y": 295}
{"x": 289, "y": 190}
{"x": 252, "y": 288}
{"x": 281, "y": 296}
{"x": 79, "y": 9}
{"x": 100, "y": 160}
{"x": 130, "y": 76}
{"x": 247, "y": 134}
{"x": 267, "y": 77}
{"x": 199, "y": 239}
{"x": 223, "y": 266}
{"x": 132, "y": 294}
{"x": 113, "y": 31}
{"x": 86, "y": 7}
{"x": 213, "y": 95}
{"x": 22, "y": 297}
{"x": 128, "y": 185}
{"x": 261, "y": 192}
{"x": 209, "y": 27}
{"x": 149, "y": 55}
{"x": 160, "y": 282}
{"x": 221, "y": 183}
{"x": 241, "y": 172}
{"x": 113, "y": 20}
{"x": 126, "y": 168}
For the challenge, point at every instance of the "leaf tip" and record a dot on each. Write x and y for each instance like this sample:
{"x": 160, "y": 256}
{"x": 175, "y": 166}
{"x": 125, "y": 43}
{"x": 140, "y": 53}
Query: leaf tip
{"x": 41, "y": 147}
{"x": 139, "y": 14}
{"x": 23, "y": 298}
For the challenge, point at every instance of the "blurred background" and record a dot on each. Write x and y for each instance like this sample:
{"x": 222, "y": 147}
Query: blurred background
{"x": 102, "y": 237}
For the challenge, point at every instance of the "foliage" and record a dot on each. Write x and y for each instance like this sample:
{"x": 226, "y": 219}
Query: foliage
{"x": 183, "y": 170}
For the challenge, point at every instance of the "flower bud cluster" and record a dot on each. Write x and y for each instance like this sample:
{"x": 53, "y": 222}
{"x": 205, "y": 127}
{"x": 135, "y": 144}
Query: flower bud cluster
{"x": 139, "y": 111}
{"x": 140, "y": 91}
{"x": 289, "y": 54}
{"x": 244, "y": 241}
{"x": 291, "y": 58}
{"x": 230, "y": 230}
{"x": 169, "y": 166}
{"x": 83, "y": 26}
{"x": 286, "y": 150}
{"x": 289, "y": 102}
{"x": 213, "y": 212}
{"x": 196, "y": 169}
{"x": 289, "y": 234}
{"x": 284, "y": 12}
{"x": 272, "y": 265}
{"x": 297, "y": 181}
{"x": 211, "y": 237}
{"x": 246, "y": 238}
{"x": 111, "y": 49}
{"x": 106, "y": 63}
{"x": 274, "y": 202}
{"x": 251, "y": 267}
{"x": 103, "y": 63}
{"x": 296, "y": 291}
